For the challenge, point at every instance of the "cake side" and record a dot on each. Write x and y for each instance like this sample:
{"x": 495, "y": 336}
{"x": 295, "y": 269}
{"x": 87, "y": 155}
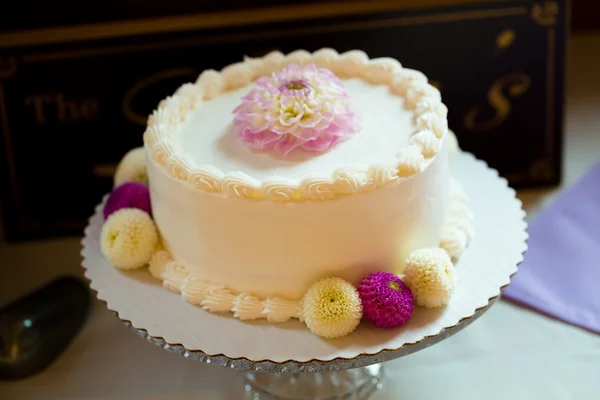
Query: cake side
{"x": 195, "y": 288}
{"x": 269, "y": 248}
{"x": 419, "y": 96}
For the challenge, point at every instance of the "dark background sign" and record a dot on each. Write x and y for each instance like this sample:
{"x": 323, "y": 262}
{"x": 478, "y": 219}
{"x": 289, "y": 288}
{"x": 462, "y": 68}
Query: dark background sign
{"x": 73, "y": 101}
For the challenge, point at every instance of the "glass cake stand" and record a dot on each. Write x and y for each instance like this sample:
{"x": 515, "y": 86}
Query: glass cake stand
{"x": 287, "y": 361}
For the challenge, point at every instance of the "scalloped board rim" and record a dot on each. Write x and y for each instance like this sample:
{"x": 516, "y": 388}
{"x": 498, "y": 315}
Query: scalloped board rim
{"x": 423, "y": 99}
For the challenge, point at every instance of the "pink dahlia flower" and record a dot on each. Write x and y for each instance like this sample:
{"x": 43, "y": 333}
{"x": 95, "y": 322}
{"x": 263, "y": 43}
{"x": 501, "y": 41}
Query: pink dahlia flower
{"x": 387, "y": 302}
{"x": 300, "y": 106}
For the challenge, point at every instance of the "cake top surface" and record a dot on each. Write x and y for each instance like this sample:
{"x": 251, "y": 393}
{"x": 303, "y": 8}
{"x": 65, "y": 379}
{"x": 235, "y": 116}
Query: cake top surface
{"x": 209, "y": 137}
{"x": 306, "y": 126}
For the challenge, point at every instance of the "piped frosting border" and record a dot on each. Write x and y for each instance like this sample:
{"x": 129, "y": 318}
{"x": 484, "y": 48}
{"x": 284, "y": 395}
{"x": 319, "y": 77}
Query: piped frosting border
{"x": 457, "y": 234}
{"x": 430, "y": 116}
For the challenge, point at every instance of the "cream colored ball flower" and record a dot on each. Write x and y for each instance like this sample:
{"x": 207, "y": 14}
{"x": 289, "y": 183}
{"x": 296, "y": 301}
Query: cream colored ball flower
{"x": 331, "y": 308}
{"x": 129, "y": 238}
{"x": 132, "y": 168}
{"x": 430, "y": 275}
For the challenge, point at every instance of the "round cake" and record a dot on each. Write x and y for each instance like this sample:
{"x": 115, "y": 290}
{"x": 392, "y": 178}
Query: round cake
{"x": 276, "y": 173}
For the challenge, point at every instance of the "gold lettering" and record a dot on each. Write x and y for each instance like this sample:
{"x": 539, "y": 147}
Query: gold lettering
{"x": 545, "y": 14}
{"x": 505, "y": 39}
{"x": 89, "y": 109}
{"x": 67, "y": 110}
{"x": 58, "y": 106}
{"x": 130, "y": 95}
{"x": 516, "y": 85}
{"x": 38, "y": 102}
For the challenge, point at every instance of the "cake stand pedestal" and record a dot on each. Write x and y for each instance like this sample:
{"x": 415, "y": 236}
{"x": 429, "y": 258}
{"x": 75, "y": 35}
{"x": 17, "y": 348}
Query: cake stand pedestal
{"x": 357, "y": 383}
{"x": 287, "y": 361}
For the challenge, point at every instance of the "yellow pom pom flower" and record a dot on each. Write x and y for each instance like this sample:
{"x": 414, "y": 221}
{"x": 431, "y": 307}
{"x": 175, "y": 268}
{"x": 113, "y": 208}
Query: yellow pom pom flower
{"x": 132, "y": 168}
{"x": 430, "y": 275}
{"x": 331, "y": 308}
{"x": 129, "y": 238}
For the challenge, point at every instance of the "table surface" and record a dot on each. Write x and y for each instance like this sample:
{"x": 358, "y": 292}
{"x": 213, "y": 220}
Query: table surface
{"x": 509, "y": 352}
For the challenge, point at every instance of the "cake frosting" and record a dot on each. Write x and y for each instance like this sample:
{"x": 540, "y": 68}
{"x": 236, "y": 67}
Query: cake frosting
{"x": 209, "y": 137}
{"x": 281, "y": 171}
{"x": 418, "y": 101}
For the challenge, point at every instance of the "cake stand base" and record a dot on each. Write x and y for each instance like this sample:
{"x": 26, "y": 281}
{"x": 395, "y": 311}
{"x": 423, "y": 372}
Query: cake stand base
{"x": 350, "y": 384}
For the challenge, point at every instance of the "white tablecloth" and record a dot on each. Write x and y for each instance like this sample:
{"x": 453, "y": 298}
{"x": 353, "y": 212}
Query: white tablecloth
{"x": 509, "y": 353}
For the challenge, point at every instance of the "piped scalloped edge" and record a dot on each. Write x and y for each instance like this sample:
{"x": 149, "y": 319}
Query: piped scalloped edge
{"x": 430, "y": 115}
{"x": 214, "y": 297}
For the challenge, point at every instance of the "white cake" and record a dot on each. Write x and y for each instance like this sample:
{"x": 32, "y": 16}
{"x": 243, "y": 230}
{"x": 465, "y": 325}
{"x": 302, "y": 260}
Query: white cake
{"x": 248, "y": 230}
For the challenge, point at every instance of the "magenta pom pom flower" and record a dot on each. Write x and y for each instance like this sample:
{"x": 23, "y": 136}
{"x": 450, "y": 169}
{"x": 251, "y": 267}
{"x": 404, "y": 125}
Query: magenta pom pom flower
{"x": 300, "y": 106}
{"x": 386, "y": 300}
{"x": 128, "y": 195}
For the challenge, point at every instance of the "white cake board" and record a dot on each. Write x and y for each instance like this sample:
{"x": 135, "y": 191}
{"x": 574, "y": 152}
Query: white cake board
{"x": 167, "y": 319}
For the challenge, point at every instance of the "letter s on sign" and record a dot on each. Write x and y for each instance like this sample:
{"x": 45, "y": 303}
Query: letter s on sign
{"x": 516, "y": 84}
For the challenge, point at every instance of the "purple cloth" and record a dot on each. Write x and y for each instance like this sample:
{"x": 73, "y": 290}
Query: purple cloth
{"x": 560, "y": 273}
